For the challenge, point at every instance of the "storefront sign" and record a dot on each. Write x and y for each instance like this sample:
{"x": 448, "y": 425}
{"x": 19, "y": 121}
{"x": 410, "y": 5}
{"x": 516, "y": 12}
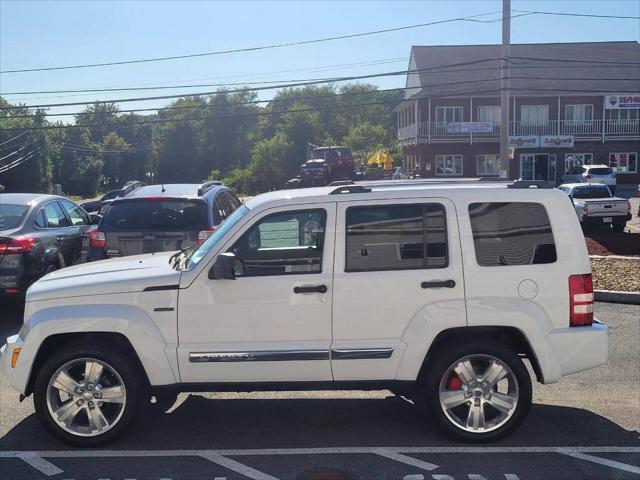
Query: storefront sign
{"x": 524, "y": 141}
{"x": 470, "y": 127}
{"x": 614, "y": 102}
{"x": 556, "y": 141}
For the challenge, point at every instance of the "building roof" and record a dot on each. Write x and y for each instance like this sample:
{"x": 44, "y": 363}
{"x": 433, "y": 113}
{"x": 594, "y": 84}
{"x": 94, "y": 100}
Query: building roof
{"x": 539, "y": 69}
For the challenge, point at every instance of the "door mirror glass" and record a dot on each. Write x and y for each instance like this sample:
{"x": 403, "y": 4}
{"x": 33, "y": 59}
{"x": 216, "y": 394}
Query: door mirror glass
{"x": 224, "y": 267}
{"x": 95, "y": 218}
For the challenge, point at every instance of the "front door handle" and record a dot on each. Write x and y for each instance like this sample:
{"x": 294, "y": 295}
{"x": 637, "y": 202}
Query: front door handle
{"x": 313, "y": 289}
{"x": 60, "y": 239}
{"x": 439, "y": 284}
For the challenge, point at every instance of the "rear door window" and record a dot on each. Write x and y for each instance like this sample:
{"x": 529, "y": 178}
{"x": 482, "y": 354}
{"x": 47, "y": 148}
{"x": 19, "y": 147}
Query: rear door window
{"x": 396, "y": 237}
{"x": 55, "y": 216}
{"x": 511, "y": 233}
{"x": 77, "y": 216}
{"x": 155, "y": 215}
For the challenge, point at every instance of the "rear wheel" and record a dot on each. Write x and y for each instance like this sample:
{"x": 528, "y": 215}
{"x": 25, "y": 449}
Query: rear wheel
{"x": 86, "y": 395}
{"x": 478, "y": 392}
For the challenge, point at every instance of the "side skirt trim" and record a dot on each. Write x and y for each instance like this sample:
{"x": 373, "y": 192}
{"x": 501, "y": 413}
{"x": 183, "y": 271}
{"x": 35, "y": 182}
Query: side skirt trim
{"x": 291, "y": 355}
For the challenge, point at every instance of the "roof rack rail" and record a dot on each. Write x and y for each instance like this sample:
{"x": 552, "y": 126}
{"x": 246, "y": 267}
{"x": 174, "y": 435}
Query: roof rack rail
{"x": 530, "y": 184}
{"x": 207, "y": 186}
{"x": 339, "y": 183}
{"x": 350, "y": 189}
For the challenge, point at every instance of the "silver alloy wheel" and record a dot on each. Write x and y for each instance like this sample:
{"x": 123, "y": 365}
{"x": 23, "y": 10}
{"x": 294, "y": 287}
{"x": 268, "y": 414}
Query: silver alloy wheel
{"x": 478, "y": 393}
{"x": 86, "y": 397}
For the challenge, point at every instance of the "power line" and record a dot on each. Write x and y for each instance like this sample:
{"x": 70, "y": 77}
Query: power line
{"x": 296, "y": 84}
{"x": 19, "y": 161}
{"x": 241, "y": 90}
{"x": 14, "y": 138}
{"x": 589, "y": 15}
{"x": 161, "y": 86}
{"x": 253, "y": 49}
{"x": 318, "y": 97}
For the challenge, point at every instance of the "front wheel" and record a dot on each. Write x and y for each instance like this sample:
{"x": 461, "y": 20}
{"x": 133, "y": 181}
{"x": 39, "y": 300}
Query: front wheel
{"x": 86, "y": 395}
{"x": 478, "y": 392}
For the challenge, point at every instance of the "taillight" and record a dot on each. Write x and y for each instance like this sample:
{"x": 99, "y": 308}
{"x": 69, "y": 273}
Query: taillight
{"x": 21, "y": 244}
{"x": 204, "y": 234}
{"x": 585, "y": 209}
{"x": 97, "y": 239}
{"x": 580, "y": 300}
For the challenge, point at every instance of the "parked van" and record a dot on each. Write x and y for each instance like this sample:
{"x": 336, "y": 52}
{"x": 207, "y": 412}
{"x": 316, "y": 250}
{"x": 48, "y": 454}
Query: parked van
{"x": 438, "y": 291}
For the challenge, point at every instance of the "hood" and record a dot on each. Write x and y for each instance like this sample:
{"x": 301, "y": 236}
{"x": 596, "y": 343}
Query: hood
{"x": 121, "y": 275}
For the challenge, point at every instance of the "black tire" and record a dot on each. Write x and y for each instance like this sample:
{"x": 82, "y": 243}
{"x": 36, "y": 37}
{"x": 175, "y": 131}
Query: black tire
{"x": 113, "y": 357}
{"x": 444, "y": 358}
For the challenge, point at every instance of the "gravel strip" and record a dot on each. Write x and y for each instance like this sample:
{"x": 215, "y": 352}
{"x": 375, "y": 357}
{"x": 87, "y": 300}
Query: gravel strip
{"x": 620, "y": 274}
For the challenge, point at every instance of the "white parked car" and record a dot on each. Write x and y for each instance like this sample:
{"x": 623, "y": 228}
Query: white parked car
{"x": 592, "y": 174}
{"x": 596, "y": 206}
{"x": 437, "y": 291}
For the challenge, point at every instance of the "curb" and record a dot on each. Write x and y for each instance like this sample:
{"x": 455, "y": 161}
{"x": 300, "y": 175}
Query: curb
{"x": 615, "y": 257}
{"x": 612, "y": 296}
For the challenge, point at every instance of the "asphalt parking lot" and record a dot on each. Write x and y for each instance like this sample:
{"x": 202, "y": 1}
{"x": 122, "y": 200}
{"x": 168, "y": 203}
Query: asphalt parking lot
{"x": 585, "y": 427}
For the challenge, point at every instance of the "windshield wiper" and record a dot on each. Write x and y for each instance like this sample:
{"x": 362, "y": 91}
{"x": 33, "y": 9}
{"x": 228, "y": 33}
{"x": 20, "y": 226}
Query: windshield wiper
{"x": 176, "y": 257}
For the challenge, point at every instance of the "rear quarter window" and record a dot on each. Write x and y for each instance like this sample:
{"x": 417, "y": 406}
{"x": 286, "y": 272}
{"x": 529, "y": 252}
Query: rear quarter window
{"x": 511, "y": 233}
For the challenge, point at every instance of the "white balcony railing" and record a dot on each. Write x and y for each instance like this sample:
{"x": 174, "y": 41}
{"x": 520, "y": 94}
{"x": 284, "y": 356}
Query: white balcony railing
{"x": 553, "y": 127}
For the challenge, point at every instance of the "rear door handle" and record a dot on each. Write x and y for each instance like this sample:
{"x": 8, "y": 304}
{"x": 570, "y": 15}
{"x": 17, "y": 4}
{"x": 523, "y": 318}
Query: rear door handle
{"x": 313, "y": 289}
{"x": 439, "y": 284}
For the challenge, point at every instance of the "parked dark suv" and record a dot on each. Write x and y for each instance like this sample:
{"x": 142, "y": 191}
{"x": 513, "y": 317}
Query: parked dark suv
{"x": 161, "y": 218}
{"x": 38, "y": 234}
{"x": 92, "y": 206}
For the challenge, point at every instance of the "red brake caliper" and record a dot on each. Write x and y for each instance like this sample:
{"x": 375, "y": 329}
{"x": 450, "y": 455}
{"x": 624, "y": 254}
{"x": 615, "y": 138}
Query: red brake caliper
{"x": 454, "y": 383}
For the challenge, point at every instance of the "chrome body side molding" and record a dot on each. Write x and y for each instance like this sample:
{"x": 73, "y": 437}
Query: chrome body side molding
{"x": 291, "y": 355}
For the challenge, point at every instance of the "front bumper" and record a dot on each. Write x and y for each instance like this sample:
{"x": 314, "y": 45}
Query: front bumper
{"x": 14, "y": 375}
{"x": 580, "y": 348}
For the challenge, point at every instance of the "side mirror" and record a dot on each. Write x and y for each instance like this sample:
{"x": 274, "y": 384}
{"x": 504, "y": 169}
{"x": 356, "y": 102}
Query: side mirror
{"x": 95, "y": 218}
{"x": 224, "y": 267}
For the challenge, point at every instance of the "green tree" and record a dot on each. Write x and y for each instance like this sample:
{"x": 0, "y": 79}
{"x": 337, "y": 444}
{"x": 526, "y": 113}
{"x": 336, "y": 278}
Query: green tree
{"x": 268, "y": 159}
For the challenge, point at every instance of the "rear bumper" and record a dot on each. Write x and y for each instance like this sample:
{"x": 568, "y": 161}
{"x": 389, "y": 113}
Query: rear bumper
{"x": 599, "y": 220}
{"x": 579, "y": 348}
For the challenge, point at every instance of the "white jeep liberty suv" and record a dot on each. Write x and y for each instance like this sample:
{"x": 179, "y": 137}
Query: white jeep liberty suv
{"x": 437, "y": 291}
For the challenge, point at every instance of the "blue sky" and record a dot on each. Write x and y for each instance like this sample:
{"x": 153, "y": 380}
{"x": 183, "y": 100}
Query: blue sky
{"x": 53, "y": 33}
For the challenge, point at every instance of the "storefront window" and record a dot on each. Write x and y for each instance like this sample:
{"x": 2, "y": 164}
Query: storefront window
{"x": 573, "y": 161}
{"x": 489, "y": 165}
{"x": 624, "y": 162}
{"x": 448, "y": 165}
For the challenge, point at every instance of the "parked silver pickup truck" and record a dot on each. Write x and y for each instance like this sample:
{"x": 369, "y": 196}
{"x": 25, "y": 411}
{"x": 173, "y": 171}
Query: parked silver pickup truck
{"x": 596, "y": 206}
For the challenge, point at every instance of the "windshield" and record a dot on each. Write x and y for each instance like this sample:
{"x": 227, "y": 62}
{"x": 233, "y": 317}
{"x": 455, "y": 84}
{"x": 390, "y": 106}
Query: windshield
{"x": 211, "y": 242}
{"x": 600, "y": 191}
{"x": 153, "y": 214}
{"x": 11, "y": 216}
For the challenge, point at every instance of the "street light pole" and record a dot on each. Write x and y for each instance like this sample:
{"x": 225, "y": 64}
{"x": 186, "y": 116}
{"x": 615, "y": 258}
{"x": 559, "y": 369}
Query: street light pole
{"x": 504, "y": 86}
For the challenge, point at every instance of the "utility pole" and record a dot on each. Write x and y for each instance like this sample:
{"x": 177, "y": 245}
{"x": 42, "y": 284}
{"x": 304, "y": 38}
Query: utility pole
{"x": 505, "y": 85}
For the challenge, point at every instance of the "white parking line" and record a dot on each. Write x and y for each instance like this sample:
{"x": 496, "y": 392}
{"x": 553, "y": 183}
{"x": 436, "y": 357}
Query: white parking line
{"x": 603, "y": 461}
{"x": 237, "y": 467}
{"x": 36, "y": 460}
{"x": 39, "y": 463}
{"x": 398, "y": 457}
